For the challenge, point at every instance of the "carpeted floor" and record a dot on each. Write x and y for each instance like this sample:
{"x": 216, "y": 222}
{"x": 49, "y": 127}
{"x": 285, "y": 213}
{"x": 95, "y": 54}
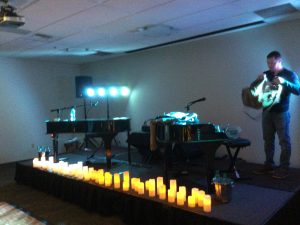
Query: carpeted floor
{"x": 50, "y": 209}
{"x": 46, "y": 208}
{"x": 9, "y": 214}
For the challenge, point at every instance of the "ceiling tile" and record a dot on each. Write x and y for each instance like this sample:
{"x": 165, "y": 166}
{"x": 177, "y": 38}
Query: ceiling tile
{"x": 253, "y": 5}
{"x": 206, "y": 16}
{"x": 158, "y": 15}
{"x": 135, "y": 6}
{"x": 46, "y": 12}
{"x": 6, "y": 37}
{"x": 83, "y": 21}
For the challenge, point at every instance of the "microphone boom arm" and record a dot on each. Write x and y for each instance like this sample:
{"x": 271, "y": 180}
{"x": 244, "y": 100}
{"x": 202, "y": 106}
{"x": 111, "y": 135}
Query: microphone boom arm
{"x": 188, "y": 106}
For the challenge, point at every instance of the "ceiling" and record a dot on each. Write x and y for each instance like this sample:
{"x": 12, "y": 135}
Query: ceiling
{"x": 86, "y": 30}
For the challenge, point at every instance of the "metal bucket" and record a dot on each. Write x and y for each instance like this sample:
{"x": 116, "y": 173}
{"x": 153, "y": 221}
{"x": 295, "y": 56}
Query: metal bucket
{"x": 223, "y": 191}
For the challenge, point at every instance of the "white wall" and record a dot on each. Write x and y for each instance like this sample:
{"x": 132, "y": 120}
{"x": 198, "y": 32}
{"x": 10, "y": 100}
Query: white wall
{"x": 165, "y": 79}
{"x": 28, "y": 90}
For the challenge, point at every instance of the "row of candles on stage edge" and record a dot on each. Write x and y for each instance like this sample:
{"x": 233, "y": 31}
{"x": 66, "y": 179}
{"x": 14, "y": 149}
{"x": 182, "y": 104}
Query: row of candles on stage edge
{"x": 154, "y": 187}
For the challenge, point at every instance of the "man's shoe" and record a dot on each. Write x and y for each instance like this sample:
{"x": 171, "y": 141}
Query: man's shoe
{"x": 264, "y": 170}
{"x": 281, "y": 173}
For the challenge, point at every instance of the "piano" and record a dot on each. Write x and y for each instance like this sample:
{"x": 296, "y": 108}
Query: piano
{"x": 207, "y": 137}
{"x": 107, "y": 129}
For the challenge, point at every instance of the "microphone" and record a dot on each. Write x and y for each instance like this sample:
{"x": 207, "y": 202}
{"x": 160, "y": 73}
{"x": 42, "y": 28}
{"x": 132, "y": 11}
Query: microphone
{"x": 198, "y": 100}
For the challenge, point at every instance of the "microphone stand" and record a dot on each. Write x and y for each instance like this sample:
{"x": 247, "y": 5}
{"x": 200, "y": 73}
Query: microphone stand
{"x": 86, "y": 139}
{"x": 188, "y": 106}
{"x": 107, "y": 108}
{"x": 84, "y": 109}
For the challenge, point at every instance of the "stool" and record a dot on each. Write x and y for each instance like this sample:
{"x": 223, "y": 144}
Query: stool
{"x": 237, "y": 144}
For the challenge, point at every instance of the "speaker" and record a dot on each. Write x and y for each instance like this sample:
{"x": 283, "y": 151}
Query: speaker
{"x": 81, "y": 83}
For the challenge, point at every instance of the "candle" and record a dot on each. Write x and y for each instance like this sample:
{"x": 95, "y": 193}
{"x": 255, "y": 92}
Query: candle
{"x": 194, "y": 191}
{"x": 99, "y": 173}
{"x": 126, "y": 176}
{"x": 200, "y": 197}
{"x": 182, "y": 189}
{"x": 107, "y": 179}
{"x": 86, "y": 176}
{"x": 207, "y": 203}
{"x": 162, "y": 192}
{"x": 79, "y": 174}
{"x": 55, "y": 167}
{"x": 51, "y": 159}
{"x": 180, "y": 198}
{"x": 134, "y": 183}
{"x": 171, "y": 196}
{"x": 43, "y": 162}
{"x": 35, "y": 162}
{"x": 66, "y": 170}
{"x": 152, "y": 183}
{"x": 47, "y": 165}
{"x": 116, "y": 180}
{"x": 85, "y": 171}
{"x": 92, "y": 173}
{"x": 195, "y": 194}
{"x": 152, "y": 191}
{"x": 125, "y": 185}
{"x": 173, "y": 185}
{"x": 80, "y": 164}
{"x": 159, "y": 182}
{"x": 101, "y": 179}
{"x": 147, "y": 185}
{"x": 152, "y": 187}
{"x": 191, "y": 201}
{"x": 141, "y": 188}
{"x": 137, "y": 182}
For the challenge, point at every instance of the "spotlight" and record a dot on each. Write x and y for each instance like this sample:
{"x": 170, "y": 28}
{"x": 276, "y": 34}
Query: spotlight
{"x": 90, "y": 92}
{"x": 101, "y": 92}
{"x": 113, "y": 91}
{"x": 125, "y": 91}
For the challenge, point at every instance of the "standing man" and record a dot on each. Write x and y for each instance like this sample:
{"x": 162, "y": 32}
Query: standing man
{"x": 276, "y": 119}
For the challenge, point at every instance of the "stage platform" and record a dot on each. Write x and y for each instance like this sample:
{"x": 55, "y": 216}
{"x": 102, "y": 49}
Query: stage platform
{"x": 257, "y": 200}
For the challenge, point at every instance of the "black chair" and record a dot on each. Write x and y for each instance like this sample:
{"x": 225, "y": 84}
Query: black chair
{"x": 231, "y": 145}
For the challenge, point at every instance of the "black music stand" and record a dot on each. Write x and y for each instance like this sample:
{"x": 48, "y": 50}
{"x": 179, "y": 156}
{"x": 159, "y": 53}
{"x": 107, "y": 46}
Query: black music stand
{"x": 108, "y": 154}
{"x": 89, "y": 141}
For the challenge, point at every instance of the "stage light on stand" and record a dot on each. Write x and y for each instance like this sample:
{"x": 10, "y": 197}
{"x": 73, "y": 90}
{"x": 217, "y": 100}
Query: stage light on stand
{"x": 101, "y": 92}
{"x": 113, "y": 91}
{"x": 125, "y": 91}
{"x": 90, "y": 92}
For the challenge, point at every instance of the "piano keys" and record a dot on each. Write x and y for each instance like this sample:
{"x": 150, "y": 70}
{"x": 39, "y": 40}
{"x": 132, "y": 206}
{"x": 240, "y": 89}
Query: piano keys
{"x": 107, "y": 129}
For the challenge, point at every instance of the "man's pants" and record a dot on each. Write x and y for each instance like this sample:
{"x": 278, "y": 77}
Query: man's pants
{"x": 272, "y": 123}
